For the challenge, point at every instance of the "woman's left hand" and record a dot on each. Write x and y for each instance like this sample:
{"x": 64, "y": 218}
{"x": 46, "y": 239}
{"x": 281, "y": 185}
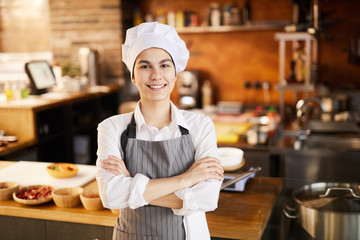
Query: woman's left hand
{"x": 115, "y": 165}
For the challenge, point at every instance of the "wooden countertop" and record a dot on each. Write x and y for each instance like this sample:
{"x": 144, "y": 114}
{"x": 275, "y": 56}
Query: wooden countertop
{"x": 51, "y": 99}
{"x": 240, "y": 215}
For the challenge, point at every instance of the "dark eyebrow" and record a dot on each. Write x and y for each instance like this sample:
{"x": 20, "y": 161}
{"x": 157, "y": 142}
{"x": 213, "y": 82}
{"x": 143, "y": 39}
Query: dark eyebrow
{"x": 165, "y": 60}
{"x": 148, "y": 62}
{"x": 144, "y": 61}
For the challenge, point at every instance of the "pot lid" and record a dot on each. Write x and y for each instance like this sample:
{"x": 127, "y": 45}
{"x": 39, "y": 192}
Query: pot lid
{"x": 334, "y": 197}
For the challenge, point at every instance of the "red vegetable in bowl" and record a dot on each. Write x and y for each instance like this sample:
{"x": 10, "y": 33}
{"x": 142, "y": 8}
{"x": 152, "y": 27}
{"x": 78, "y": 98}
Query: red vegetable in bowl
{"x": 34, "y": 192}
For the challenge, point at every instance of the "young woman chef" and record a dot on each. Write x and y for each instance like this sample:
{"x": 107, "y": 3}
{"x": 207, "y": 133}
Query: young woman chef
{"x": 158, "y": 164}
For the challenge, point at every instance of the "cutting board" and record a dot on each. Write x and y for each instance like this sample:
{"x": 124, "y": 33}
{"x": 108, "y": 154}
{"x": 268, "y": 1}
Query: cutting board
{"x": 32, "y": 173}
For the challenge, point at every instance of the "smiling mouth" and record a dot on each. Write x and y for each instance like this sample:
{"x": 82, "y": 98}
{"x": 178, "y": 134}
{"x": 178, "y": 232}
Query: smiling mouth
{"x": 156, "y": 86}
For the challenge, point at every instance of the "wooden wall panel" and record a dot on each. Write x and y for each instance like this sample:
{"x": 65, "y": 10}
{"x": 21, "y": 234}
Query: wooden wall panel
{"x": 95, "y": 24}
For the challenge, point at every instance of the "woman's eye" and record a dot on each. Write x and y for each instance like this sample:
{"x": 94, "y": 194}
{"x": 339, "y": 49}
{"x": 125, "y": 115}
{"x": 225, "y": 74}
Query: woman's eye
{"x": 165, "y": 65}
{"x": 144, "y": 66}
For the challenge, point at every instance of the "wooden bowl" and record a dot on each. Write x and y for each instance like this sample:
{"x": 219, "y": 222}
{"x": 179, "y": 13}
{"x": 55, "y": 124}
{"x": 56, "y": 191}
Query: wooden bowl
{"x": 62, "y": 170}
{"x": 91, "y": 200}
{"x": 33, "y": 195}
{"x": 7, "y": 189}
{"x": 67, "y": 197}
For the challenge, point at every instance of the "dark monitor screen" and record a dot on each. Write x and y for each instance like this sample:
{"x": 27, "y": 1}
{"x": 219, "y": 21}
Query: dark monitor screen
{"x": 41, "y": 76}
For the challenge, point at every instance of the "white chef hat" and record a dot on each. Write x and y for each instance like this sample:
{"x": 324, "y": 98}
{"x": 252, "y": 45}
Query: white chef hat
{"x": 157, "y": 35}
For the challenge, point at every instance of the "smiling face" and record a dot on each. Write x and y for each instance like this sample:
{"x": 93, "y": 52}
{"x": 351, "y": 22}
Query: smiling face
{"x": 154, "y": 75}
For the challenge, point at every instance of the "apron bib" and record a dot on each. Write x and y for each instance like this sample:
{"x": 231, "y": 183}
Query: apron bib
{"x": 154, "y": 159}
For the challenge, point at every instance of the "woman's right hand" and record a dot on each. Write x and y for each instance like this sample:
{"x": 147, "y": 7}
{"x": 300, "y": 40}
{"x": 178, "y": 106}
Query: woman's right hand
{"x": 115, "y": 165}
{"x": 202, "y": 170}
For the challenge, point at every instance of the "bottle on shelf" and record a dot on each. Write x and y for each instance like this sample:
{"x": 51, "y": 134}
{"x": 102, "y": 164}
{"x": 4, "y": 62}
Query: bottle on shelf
{"x": 16, "y": 90}
{"x": 234, "y": 15}
{"x": 179, "y": 19}
{"x": 24, "y": 90}
{"x": 227, "y": 15}
{"x": 215, "y": 15}
{"x": 206, "y": 91}
{"x": 8, "y": 90}
{"x": 299, "y": 59}
{"x": 160, "y": 16}
{"x": 271, "y": 114}
{"x": 171, "y": 18}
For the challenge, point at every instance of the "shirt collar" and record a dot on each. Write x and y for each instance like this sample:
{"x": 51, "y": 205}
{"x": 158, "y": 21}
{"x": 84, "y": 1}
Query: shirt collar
{"x": 177, "y": 119}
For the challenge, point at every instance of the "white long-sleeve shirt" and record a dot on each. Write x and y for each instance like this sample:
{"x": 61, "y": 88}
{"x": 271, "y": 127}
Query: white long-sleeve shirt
{"x": 118, "y": 191}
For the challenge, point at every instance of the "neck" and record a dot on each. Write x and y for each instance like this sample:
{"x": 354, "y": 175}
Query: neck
{"x": 156, "y": 114}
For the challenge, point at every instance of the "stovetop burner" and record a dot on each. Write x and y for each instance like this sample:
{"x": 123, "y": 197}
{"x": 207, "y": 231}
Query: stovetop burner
{"x": 280, "y": 227}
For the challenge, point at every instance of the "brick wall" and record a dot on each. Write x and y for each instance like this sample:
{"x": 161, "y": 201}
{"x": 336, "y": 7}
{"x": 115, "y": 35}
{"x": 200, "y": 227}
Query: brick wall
{"x": 95, "y": 24}
{"x": 24, "y": 26}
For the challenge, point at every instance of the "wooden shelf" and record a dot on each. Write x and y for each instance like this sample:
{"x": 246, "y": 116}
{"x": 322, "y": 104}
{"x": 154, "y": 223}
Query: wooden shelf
{"x": 257, "y": 26}
{"x": 295, "y": 87}
{"x": 295, "y": 36}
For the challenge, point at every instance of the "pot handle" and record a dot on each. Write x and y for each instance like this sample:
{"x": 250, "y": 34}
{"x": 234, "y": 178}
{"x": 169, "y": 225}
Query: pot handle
{"x": 287, "y": 213}
{"x": 330, "y": 189}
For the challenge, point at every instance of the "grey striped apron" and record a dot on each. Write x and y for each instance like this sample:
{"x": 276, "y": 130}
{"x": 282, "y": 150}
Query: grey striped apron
{"x": 154, "y": 159}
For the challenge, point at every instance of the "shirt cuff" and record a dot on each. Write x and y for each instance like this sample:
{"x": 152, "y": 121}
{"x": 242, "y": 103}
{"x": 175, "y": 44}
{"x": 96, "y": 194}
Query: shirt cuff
{"x": 189, "y": 203}
{"x": 137, "y": 187}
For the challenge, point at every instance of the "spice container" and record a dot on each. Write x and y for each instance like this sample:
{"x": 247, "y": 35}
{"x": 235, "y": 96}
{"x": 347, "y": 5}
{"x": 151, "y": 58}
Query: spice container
{"x": 215, "y": 15}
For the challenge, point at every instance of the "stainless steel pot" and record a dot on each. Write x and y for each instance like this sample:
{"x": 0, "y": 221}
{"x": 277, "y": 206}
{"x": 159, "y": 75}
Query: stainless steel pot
{"x": 328, "y": 211}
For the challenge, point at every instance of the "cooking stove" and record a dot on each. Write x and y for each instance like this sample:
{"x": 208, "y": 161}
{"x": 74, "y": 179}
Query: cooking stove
{"x": 280, "y": 227}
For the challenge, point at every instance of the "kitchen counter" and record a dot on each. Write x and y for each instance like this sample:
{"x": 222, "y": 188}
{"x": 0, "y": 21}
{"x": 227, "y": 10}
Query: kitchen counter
{"x": 333, "y": 156}
{"x": 56, "y": 118}
{"x": 240, "y": 215}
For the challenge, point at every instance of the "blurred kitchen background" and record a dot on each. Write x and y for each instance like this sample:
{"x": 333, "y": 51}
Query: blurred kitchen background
{"x": 237, "y": 61}
{"x": 248, "y": 59}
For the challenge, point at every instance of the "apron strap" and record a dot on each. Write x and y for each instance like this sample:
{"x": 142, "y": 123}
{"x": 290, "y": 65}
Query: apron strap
{"x": 183, "y": 130}
{"x": 129, "y": 132}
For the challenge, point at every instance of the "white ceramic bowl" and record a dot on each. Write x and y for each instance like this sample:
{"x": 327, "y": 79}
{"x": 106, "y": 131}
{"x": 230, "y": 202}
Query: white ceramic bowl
{"x": 231, "y": 158}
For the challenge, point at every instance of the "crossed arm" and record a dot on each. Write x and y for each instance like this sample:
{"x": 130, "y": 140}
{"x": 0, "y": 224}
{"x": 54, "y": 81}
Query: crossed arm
{"x": 160, "y": 192}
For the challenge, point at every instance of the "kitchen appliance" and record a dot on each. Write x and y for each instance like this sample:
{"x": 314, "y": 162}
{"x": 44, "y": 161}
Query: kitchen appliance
{"x": 188, "y": 85}
{"x": 328, "y": 210}
{"x": 235, "y": 182}
{"x": 41, "y": 76}
{"x": 89, "y": 65}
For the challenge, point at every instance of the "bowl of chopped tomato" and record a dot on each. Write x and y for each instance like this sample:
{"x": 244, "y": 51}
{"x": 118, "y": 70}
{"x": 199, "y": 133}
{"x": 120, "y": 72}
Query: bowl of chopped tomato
{"x": 62, "y": 170}
{"x": 33, "y": 195}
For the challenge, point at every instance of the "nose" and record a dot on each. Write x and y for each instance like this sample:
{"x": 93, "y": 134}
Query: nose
{"x": 155, "y": 74}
